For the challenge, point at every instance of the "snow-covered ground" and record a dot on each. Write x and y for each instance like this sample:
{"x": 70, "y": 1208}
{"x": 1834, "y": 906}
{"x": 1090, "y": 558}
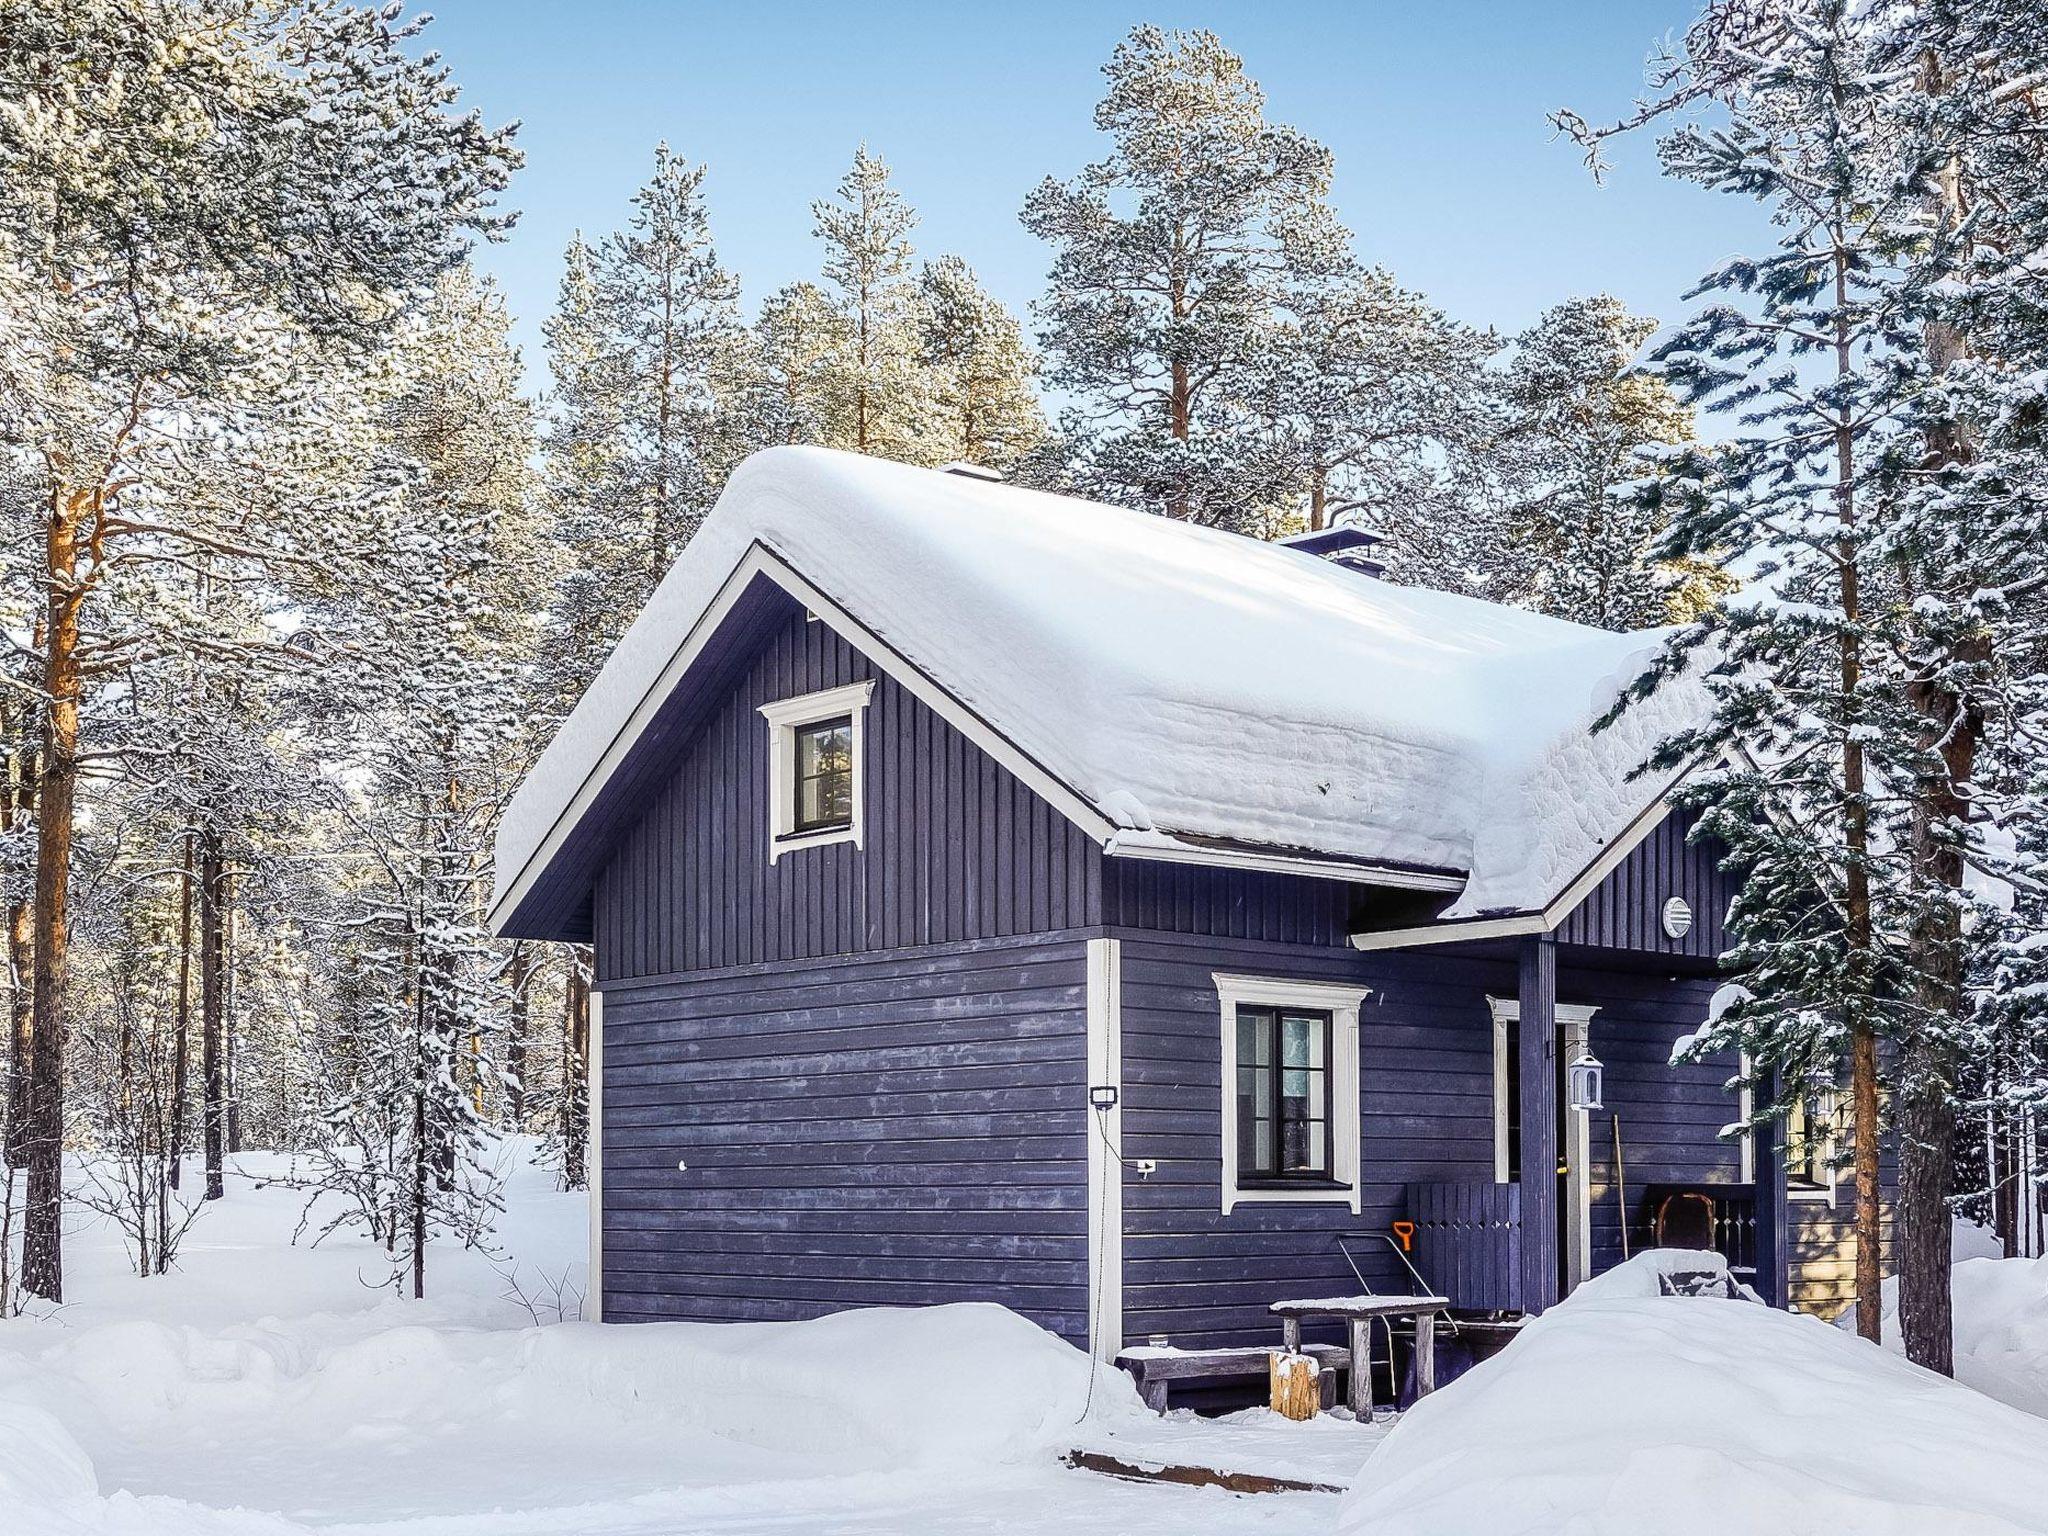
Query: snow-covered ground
{"x": 269, "y": 1390}
{"x": 266, "y": 1389}
{"x": 1626, "y": 1413}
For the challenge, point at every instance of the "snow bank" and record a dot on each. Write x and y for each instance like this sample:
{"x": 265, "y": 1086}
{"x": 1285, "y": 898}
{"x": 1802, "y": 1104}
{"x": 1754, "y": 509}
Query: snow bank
{"x": 2001, "y": 1324}
{"x": 1187, "y": 683}
{"x": 1623, "y": 1415}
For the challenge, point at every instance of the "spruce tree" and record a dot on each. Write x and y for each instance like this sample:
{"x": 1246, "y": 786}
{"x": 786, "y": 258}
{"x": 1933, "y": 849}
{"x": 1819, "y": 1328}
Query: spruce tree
{"x": 980, "y": 370}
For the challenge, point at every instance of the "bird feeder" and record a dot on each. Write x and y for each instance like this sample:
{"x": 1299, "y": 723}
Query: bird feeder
{"x": 1582, "y": 1082}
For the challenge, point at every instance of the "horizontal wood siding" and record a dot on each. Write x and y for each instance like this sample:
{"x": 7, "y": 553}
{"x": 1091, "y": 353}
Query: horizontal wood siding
{"x": 1626, "y": 910}
{"x": 1671, "y": 1115}
{"x": 955, "y": 848}
{"x": 1426, "y": 1077}
{"x": 1426, "y": 1069}
{"x": 1822, "y": 1248}
{"x": 891, "y": 1129}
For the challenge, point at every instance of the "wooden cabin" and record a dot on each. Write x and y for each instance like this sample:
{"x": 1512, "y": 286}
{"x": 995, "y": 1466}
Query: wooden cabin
{"x": 997, "y": 896}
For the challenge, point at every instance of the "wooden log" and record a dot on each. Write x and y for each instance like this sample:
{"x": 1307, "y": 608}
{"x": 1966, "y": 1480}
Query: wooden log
{"x": 1296, "y": 1386}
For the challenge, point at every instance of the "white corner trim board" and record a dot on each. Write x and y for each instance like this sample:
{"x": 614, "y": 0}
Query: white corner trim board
{"x": 593, "y": 1161}
{"x": 1105, "y": 1150}
{"x": 1342, "y": 1001}
{"x": 783, "y": 717}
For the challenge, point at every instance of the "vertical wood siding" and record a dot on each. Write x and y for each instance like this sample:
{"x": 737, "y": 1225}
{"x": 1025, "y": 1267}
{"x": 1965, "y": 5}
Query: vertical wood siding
{"x": 1626, "y": 910}
{"x": 878, "y": 1130}
{"x": 954, "y": 848}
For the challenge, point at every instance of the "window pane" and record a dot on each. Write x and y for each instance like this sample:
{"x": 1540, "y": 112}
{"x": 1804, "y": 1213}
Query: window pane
{"x": 824, "y": 774}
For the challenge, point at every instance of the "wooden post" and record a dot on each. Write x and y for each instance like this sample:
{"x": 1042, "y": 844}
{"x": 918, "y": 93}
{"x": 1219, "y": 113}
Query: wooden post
{"x": 1773, "y": 1225}
{"x": 1295, "y": 1384}
{"x": 1538, "y": 1049}
{"x": 1425, "y": 1354}
{"x": 1361, "y": 1369}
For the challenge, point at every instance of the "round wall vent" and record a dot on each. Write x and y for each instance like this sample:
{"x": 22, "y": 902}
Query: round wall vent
{"x": 1677, "y": 918}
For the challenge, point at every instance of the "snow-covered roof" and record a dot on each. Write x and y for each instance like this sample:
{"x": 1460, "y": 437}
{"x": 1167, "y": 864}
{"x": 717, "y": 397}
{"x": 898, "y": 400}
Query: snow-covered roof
{"x": 1194, "y": 690}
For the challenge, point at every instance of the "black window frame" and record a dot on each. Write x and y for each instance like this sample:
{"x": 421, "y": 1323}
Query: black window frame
{"x": 798, "y": 826}
{"x": 1250, "y": 1175}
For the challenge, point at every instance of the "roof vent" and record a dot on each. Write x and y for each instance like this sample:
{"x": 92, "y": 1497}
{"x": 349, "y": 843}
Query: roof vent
{"x": 1347, "y": 545}
{"x": 973, "y": 471}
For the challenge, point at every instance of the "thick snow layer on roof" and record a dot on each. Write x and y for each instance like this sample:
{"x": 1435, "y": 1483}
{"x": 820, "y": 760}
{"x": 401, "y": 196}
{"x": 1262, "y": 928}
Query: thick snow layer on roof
{"x": 1182, "y": 681}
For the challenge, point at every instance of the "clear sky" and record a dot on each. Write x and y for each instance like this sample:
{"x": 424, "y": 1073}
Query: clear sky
{"x": 1446, "y": 168}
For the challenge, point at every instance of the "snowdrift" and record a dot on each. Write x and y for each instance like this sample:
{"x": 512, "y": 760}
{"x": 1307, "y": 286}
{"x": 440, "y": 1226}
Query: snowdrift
{"x": 872, "y": 1391}
{"x": 1622, "y": 1413}
{"x": 2001, "y": 1326}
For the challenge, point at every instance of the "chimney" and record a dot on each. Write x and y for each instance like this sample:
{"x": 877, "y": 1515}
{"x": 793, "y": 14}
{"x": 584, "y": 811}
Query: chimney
{"x": 1347, "y": 545}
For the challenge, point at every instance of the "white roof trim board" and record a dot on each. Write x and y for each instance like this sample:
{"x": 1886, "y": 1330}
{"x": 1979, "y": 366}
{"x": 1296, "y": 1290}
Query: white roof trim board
{"x": 1178, "y": 692}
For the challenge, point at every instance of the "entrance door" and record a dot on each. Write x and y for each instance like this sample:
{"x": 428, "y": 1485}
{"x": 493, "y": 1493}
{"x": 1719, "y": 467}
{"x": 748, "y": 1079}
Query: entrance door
{"x": 1573, "y": 1131}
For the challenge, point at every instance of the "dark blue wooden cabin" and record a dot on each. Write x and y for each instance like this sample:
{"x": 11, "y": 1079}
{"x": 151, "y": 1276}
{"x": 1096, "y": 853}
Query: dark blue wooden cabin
{"x": 883, "y": 1024}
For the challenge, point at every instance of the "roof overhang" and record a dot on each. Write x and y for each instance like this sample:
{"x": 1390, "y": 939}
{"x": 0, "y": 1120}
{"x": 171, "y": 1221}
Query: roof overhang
{"x": 1546, "y": 919}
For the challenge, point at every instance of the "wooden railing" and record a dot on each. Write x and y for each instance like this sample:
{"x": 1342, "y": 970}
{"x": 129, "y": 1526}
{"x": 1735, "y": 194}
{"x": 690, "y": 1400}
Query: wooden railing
{"x": 1468, "y": 1242}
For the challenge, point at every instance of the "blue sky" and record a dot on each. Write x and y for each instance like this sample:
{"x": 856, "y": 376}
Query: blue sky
{"x": 1446, "y": 168}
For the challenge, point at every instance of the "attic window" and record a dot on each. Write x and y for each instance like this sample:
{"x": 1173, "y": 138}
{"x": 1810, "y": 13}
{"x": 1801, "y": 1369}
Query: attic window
{"x": 815, "y": 768}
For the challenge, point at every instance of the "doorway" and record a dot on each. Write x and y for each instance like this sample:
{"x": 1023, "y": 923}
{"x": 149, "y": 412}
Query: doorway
{"x": 1573, "y": 1130}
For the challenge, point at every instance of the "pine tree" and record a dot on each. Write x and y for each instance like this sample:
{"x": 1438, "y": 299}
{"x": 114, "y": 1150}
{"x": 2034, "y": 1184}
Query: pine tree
{"x": 299, "y": 172}
{"x": 1375, "y": 389}
{"x": 876, "y": 398}
{"x": 1808, "y": 746}
{"x": 646, "y": 349}
{"x": 435, "y": 715}
{"x": 1170, "y": 258}
{"x": 984, "y": 407}
{"x": 1574, "y": 419}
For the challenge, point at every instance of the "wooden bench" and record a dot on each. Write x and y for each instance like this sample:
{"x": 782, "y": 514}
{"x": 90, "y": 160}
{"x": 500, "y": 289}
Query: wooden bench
{"x": 1156, "y": 1368}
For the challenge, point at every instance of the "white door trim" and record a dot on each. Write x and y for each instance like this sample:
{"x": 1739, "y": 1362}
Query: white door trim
{"x": 1574, "y": 1025}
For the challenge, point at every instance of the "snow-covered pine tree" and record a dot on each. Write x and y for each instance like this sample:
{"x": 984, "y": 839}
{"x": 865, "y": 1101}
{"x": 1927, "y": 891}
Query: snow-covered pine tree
{"x": 1806, "y": 762}
{"x": 1971, "y": 545}
{"x": 795, "y": 339}
{"x": 1170, "y": 257}
{"x": 1573, "y": 417}
{"x": 299, "y": 170}
{"x": 445, "y": 623}
{"x": 645, "y": 348}
{"x": 877, "y": 397}
{"x": 984, "y": 407}
{"x": 1374, "y": 388}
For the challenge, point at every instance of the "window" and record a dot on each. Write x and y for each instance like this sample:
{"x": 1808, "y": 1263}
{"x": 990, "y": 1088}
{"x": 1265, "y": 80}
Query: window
{"x": 1290, "y": 1100}
{"x": 1811, "y": 1127}
{"x": 824, "y": 775}
{"x": 815, "y": 767}
{"x": 1283, "y": 1093}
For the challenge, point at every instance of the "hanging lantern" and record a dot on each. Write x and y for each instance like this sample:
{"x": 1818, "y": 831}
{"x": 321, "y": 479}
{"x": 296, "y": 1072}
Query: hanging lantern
{"x": 1582, "y": 1082}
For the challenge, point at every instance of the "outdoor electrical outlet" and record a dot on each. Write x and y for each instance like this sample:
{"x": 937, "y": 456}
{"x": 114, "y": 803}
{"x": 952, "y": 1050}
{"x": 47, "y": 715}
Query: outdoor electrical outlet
{"x": 1146, "y": 1167}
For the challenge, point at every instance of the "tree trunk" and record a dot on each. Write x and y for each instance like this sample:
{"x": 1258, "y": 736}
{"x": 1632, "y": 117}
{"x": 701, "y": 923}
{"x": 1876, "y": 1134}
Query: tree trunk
{"x": 21, "y": 1008}
{"x": 575, "y": 1096}
{"x": 212, "y": 1064}
{"x": 181, "y": 1051}
{"x": 1856, "y": 838}
{"x": 231, "y": 1041}
{"x": 42, "y": 1234}
{"x": 519, "y": 980}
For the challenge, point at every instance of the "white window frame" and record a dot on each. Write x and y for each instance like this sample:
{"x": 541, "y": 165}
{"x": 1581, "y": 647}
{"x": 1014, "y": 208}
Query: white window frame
{"x": 1342, "y": 1001}
{"x": 1574, "y": 1026}
{"x": 784, "y": 716}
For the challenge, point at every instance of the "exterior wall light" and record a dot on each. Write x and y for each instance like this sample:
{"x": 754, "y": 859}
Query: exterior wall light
{"x": 1582, "y": 1082}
